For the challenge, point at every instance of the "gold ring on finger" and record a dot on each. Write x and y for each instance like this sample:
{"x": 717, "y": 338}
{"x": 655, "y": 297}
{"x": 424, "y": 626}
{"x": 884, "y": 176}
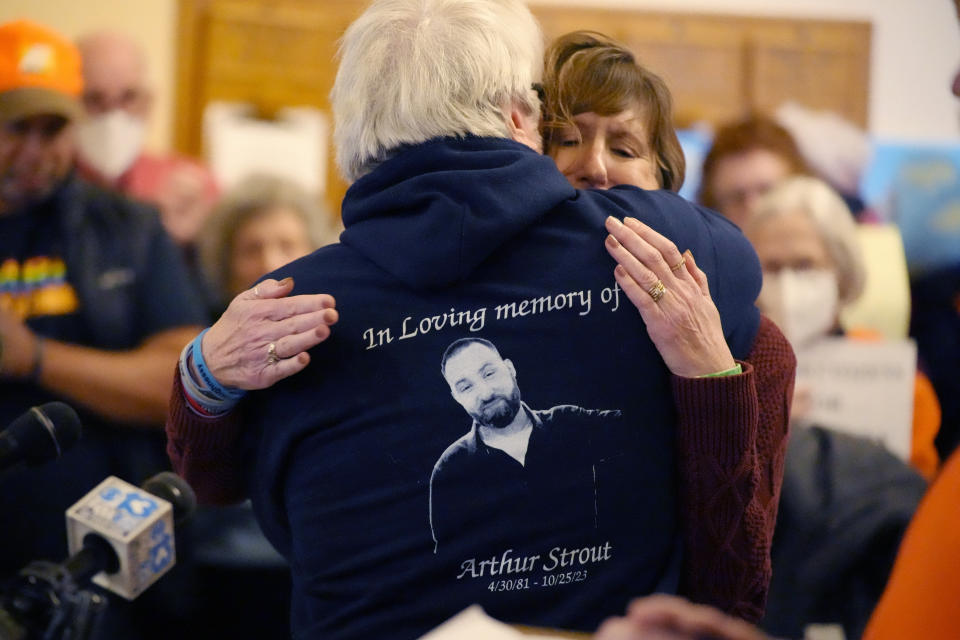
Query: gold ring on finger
{"x": 272, "y": 357}
{"x": 679, "y": 265}
{"x": 657, "y": 290}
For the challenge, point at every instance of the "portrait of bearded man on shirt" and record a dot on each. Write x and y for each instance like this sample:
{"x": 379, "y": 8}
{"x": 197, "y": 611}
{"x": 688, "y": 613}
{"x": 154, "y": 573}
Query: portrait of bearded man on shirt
{"x": 539, "y": 468}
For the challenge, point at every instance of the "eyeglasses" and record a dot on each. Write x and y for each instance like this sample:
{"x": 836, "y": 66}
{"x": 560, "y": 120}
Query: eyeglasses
{"x": 541, "y": 92}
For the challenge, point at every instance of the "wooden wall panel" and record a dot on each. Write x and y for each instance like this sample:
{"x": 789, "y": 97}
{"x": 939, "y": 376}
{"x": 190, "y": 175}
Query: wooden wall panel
{"x": 821, "y": 65}
{"x": 276, "y": 53}
{"x": 272, "y": 54}
{"x": 721, "y": 67}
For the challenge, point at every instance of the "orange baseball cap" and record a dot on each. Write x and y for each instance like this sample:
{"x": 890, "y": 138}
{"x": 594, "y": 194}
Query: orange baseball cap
{"x": 40, "y": 72}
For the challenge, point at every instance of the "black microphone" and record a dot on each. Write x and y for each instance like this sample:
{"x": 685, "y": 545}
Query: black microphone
{"x": 40, "y": 434}
{"x": 176, "y": 491}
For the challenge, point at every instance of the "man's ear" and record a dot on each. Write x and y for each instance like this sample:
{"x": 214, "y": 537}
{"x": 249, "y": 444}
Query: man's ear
{"x": 511, "y": 368}
{"x": 524, "y": 127}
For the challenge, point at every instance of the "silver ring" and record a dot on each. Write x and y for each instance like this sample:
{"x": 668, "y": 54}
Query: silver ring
{"x": 272, "y": 357}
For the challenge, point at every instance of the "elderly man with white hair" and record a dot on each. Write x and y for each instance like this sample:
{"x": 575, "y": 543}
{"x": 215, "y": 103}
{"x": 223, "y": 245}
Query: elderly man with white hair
{"x": 457, "y": 226}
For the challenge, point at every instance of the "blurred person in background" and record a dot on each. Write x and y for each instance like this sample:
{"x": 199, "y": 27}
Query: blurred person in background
{"x": 747, "y": 158}
{"x": 923, "y": 592}
{"x": 922, "y": 595}
{"x": 812, "y": 266}
{"x": 260, "y": 225}
{"x": 835, "y": 150}
{"x": 846, "y": 500}
{"x": 663, "y": 617}
{"x": 118, "y": 102}
{"x": 935, "y": 288}
{"x": 95, "y": 303}
{"x": 935, "y": 320}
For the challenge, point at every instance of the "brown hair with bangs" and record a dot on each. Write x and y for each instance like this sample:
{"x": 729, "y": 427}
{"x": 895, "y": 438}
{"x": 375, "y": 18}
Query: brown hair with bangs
{"x": 585, "y": 71}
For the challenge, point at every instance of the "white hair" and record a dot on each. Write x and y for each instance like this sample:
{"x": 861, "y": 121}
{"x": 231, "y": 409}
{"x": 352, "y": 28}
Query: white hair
{"x": 832, "y": 219}
{"x": 412, "y": 70}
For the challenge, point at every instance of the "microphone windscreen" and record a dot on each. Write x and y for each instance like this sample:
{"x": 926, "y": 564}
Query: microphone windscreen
{"x": 176, "y": 491}
{"x": 45, "y": 432}
{"x": 65, "y": 421}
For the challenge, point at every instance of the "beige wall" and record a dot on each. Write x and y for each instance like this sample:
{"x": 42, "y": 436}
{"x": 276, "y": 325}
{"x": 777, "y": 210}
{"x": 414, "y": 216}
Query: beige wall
{"x": 916, "y": 46}
{"x": 150, "y": 22}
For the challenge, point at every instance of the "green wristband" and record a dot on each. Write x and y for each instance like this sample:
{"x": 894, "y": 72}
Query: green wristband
{"x": 732, "y": 371}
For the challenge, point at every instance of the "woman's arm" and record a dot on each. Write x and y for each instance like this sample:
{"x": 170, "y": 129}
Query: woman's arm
{"x": 731, "y": 439}
{"x": 206, "y": 452}
{"x": 732, "y": 429}
{"x": 261, "y": 338}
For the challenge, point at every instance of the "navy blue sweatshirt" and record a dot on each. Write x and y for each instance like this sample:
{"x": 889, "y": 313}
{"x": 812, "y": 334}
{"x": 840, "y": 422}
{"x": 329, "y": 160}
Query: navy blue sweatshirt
{"x": 481, "y": 238}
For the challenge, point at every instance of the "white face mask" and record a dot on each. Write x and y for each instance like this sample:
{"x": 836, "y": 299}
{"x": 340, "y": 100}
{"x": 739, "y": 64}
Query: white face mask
{"x": 111, "y": 142}
{"x": 804, "y": 304}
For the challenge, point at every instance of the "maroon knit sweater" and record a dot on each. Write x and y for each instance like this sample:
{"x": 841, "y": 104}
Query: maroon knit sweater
{"x": 731, "y": 442}
{"x": 731, "y": 439}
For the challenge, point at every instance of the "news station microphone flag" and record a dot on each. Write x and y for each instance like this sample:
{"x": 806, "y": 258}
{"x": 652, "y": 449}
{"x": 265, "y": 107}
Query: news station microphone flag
{"x": 121, "y": 536}
{"x": 138, "y": 526}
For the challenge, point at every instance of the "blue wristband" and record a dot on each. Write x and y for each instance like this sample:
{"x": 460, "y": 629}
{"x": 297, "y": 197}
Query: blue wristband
{"x": 215, "y": 388}
{"x": 197, "y": 398}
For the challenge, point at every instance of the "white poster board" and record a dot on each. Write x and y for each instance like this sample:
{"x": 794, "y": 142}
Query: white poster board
{"x": 292, "y": 146}
{"x": 473, "y": 623}
{"x": 859, "y": 387}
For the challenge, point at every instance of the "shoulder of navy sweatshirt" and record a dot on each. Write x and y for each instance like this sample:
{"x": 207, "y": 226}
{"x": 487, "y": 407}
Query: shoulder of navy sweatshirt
{"x": 485, "y": 238}
{"x": 470, "y": 197}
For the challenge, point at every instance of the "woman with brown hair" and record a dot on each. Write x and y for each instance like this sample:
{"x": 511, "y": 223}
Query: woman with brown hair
{"x": 608, "y": 122}
{"x": 607, "y": 119}
{"x": 747, "y": 158}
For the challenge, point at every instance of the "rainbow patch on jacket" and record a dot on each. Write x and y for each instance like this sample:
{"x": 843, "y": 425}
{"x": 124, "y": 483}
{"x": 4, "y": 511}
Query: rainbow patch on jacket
{"x": 36, "y": 287}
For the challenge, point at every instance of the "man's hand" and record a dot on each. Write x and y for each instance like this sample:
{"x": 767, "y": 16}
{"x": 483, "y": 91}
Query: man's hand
{"x": 661, "y": 617}
{"x": 18, "y": 347}
{"x": 237, "y": 348}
